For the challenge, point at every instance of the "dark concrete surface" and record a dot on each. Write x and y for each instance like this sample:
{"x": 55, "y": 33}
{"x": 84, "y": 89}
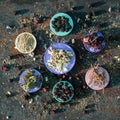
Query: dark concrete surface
{"x": 16, "y": 17}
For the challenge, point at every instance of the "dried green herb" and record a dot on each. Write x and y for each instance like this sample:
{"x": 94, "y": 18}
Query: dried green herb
{"x": 59, "y": 59}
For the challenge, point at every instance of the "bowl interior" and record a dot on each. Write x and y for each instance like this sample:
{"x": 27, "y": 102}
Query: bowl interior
{"x": 70, "y": 22}
{"x": 19, "y": 43}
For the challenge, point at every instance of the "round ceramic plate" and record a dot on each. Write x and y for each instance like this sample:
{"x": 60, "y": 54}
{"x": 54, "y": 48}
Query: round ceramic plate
{"x": 63, "y": 47}
{"x": 39, "y": 83}
{"x": 91, "y": 84}
{"x": 63, "y": 84}
{"x": 61, "y": 33}
{"x": 90, "y": 48}
{"x": 19, "y": 40}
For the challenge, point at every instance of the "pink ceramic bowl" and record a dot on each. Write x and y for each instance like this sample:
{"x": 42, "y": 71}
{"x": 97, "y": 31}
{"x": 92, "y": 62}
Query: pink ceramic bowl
{"x": 93, "y": 84}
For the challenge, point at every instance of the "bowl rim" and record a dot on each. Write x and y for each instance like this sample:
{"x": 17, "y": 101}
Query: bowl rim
{"x": 16, "y": 40}
{"x": 70, "y": 22}
{"x": 58, "y": 99}
{"x": 89, "y": 47}
{"x": 34, "y": 89}
{"x": 53, "y": 70}
{"x": 87, "y": 79}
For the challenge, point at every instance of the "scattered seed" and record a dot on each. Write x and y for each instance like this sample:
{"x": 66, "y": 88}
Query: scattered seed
{"x": 30, "y": 101}
{"x": 73, "y": 41}
{"x": 8, "y": 94}
{"x": 69, "y": 105}
{"x": 8, "y": 117}
{"x": 44, "y": 89}
{"x": 109, "y": 9}
{"x": 8, "y": 27}
{"x": 85, "y": 25}
{"x": 23, "y": 106}
{"x": 63, "y": 76}
{"x": 34, "y": 59}
{"x": 31, "y": 54}
{"x": 45, "y": 103}
{"x": 77, "y": 78}
{"x": 46, "y": 32}
{"x": 70, "y": 77}
{"x": 59, "y": 104}
{"x": 118, "y": 97}
{"x": 46, "y": 79}
{"x": 87, "y": 16}
{"x": 89, "y": 5}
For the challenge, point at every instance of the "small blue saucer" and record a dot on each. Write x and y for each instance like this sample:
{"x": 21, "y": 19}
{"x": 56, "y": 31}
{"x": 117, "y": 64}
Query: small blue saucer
{"x": 90, "y": 48}
{"x": 39, "y": 83}
{"x": 62, "y": 46}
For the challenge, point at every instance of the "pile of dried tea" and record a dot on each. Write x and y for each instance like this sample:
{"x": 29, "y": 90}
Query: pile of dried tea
{"x": 30, "y": 79}
{"x": 63, "y": 91}
{"x": 61, "y": 23}
{"x": 94, "y": 40}
{"x": 98, "y": 77}
{"x": 59, "y": 59}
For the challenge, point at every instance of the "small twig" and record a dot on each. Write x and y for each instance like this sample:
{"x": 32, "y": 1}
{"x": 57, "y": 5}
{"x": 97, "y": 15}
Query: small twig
{"x": 94, "y": 39}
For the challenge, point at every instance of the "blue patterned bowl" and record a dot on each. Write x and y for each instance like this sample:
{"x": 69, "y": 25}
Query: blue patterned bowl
{"x": 39, "y": 83}
{"x": 62, "y": 46}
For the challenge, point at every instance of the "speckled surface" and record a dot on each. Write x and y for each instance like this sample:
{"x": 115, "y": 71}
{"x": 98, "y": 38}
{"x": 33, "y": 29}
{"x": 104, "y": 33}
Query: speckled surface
{"x": 87, "y": 104}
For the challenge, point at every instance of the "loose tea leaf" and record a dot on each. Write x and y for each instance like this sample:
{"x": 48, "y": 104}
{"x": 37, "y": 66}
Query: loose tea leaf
{"x": 98, "y": 77}
{"x": 59, "y": 59}
{"x": 30, "y": 79}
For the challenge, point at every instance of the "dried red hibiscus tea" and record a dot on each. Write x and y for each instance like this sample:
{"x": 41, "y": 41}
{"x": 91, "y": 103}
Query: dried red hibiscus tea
{"x": 94, "y": 40}
{"x": 63, "y": 91}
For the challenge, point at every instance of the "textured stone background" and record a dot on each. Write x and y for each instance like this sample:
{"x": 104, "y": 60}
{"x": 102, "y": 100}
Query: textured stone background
{"x": 86, "y": 104}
